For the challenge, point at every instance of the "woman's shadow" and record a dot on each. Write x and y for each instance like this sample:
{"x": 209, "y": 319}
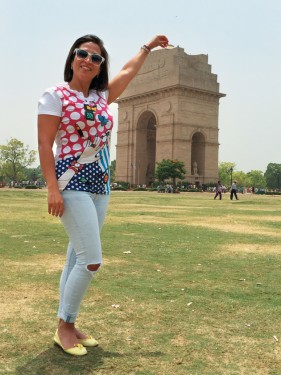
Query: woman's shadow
{"x": 55, "y": 361}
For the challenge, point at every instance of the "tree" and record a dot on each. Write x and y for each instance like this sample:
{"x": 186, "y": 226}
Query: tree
{"x": 225, "y": 172}
{"x": 15, "y": 157}
{"x": 170, "y": 169}
{"x": 2, "y": 177}
{"x": 256, "y": 178}
{"x": 34, "y": 175}
{"x": 273, "y": 176}
{"x": 240, "y": 177}
{"x": 112, "y": 170}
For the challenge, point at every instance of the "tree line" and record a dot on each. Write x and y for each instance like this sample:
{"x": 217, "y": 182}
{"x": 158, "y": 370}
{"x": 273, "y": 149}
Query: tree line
{"x": 271, "y": 179}
{"x": 16, "y": 160}
{"x": 15, "y": 164}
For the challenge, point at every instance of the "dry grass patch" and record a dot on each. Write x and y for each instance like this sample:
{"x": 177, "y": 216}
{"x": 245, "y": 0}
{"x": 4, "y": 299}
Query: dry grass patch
{"x": 36, "y": 264}
{"x": 114, "y": 261}
{"x": 231, "y": 224}
{"x": 234, "y": 227}
{"x": 148, "y": 219}
{"x": 267, "y": 218}
{"x": 246, "y": 248}
{"x": 17, "y": 302}
{"x": 47, "y": 264}
{"x": 151, "y": 208}
{"x": 180, "y": 341}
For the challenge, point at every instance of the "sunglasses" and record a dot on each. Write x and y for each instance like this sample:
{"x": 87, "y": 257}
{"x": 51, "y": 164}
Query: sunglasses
{"x": 96, "y": 59}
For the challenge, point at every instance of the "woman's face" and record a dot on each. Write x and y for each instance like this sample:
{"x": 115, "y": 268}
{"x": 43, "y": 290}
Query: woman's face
{"x": 84, "y": 68}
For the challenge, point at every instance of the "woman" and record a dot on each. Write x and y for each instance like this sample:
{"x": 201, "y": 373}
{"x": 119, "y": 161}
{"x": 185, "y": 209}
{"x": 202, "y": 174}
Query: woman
{"x": 218, "y": 190}
{"x": 75, "y": 115}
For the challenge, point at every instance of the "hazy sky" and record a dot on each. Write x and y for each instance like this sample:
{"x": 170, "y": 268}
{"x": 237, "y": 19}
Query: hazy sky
{"x": 242, "y": 39}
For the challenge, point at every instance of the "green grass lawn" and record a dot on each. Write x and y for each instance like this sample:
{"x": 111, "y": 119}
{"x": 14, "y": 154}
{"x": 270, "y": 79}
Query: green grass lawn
{"x": 199, "y": 293}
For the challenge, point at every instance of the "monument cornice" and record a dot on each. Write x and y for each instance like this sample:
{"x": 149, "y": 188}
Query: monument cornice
{"x": 169, "y": 91}
{"x": 187, "y": 140}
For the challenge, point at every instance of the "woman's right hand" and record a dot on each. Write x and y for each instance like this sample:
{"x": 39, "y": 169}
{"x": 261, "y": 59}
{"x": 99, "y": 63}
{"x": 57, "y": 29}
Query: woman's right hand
{"x": 55, "y": 203}
{"x": 47, "y": 129}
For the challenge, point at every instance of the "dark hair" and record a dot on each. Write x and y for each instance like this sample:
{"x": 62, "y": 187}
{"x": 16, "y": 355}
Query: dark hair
{"x": 100, "y": 82}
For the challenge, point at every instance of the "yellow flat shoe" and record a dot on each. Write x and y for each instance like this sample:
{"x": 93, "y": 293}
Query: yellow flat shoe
{"x": 89, "y": 341}
{"x": 78, "y": 349}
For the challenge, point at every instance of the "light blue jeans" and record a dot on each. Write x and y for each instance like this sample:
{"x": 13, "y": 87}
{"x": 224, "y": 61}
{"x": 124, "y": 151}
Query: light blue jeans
{"x": 83, "y": 218}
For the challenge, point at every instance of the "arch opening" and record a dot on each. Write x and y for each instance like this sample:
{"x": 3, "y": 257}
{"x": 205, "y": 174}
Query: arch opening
{"x": 198, "y": 145}
{"x": 145, "y": 149}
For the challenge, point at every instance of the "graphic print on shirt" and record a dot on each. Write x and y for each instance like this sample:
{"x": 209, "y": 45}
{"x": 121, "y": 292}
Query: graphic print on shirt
{"x": 85, "y": 129}
{"x": 90, "y": 111}
{"x": 79, "y": 131}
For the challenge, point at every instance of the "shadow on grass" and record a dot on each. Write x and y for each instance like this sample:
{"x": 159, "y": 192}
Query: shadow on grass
{"x": 55, "y": 362}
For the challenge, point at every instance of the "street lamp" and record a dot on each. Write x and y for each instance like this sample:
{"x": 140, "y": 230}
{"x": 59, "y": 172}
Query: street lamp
{"x": 231, "y": 171}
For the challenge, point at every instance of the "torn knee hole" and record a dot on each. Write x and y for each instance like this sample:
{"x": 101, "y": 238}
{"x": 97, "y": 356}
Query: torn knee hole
{"x": 93, "y": 267}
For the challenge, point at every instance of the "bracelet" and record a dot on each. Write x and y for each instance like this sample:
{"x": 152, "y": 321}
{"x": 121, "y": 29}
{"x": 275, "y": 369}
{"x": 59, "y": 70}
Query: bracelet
{"x": 146, "y": 48}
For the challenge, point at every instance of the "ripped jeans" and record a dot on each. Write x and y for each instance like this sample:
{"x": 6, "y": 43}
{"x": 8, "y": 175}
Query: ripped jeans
{"x": 83, "y": 218}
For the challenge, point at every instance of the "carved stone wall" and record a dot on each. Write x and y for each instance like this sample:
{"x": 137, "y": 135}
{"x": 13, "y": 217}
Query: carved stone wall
{"x": 169, "y": 111}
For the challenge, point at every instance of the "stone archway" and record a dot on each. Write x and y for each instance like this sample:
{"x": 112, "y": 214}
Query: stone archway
{"x": 198, "y": 146}
{"x": 145, "y": 148}
{"x": 180, "y": 94}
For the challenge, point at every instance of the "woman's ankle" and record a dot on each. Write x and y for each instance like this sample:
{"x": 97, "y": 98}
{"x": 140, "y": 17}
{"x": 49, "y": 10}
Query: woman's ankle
{"x": 66, "y": 326}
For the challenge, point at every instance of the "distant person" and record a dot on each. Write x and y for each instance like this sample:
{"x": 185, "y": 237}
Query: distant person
{"x": 233, "y": 190}
{"x": 76, "y": 116}
{"x": 218, "y": 191}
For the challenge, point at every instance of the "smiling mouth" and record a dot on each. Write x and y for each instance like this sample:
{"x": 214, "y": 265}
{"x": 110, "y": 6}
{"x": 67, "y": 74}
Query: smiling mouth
{"x": 85, "y": 67}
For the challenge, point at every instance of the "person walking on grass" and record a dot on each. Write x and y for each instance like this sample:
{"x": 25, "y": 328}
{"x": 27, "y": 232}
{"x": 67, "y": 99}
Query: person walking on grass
{"x": 75, "y": 115}
{"x": 233, "y": 190}
{"x": 218, "y": 190}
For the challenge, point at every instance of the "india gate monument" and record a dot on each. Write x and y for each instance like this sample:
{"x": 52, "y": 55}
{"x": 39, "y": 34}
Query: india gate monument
{"x": 169, "y": 111}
